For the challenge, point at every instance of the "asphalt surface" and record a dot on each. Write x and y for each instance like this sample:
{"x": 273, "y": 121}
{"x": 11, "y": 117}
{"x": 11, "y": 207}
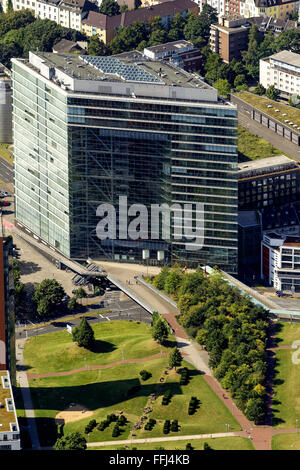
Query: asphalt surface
{"x": 6, "y": 171}
{"x": 119, "y": 310}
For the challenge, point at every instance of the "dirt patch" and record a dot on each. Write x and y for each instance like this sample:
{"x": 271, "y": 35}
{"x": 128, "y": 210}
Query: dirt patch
{"x": 73, "y": 413}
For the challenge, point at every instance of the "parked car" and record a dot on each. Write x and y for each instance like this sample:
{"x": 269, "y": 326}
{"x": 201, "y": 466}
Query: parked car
{"x": 4, "y": 193}
{"x": 279, "y": 293}
{"x": 5, "y": 203}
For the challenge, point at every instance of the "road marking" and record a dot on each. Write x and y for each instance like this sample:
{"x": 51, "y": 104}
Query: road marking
{"x": 108, "y": 318}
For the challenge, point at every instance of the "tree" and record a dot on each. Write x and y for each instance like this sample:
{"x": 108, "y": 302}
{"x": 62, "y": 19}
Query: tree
{"x": 73, "y": 441}
{"x": 80, "y": 293}
{"x": 251, "y": 56}
{"x": 206, "y": 446}
{"x": 72, "y": 304}
{"x": 223, "y": 87}
{"x": 255, "y": 410}
{"x": 48, "y": 295}
{"x": 259, "y": 90}
{"x": 83, "y": 334}
{"x": 160, "y": 331}
{"x": 109, "y": 8}
{"x": 175, "y": 358}
{"x": 96, "y": 46}
{"x": 272, "y": 93}
{"x": 9, "y": 6}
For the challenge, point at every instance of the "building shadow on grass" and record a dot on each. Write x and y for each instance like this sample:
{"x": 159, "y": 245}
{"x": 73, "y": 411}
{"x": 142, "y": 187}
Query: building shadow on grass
{"x": 92, "y": 396}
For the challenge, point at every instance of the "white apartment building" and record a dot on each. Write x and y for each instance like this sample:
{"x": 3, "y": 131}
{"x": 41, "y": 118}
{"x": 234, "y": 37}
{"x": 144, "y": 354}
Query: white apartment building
{"x": 281, "y": 261}
{"x": 67, "y": 13}
{"x": 281, "y": 70}
{"x": 249, "y": 9}
{"x": 9, "y": 427}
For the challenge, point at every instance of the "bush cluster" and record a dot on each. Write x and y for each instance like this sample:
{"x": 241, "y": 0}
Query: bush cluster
{"x": 167, "y": 427}
{"x": 150, "y": 424}
{"x": 193, "y": 405}
{"x": 145, "y": 375}
{"x": 166, "y": 398}
{"x": 90, "y": 426}
{"x": 184, "y": 376}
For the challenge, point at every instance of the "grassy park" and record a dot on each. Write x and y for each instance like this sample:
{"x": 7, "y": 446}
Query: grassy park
{"x": 218, "y": 443}
{"x": 118, "y": 388}
{"x": 286, "y": 442}
{"x": 286, "y": 403}
{"x": 115, "y": 341}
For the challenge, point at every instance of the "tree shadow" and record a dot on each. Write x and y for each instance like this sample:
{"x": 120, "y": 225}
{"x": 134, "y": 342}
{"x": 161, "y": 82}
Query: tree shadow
{"x": 277, "y": 329}
{"x": 169, "y": 343}
{"x": 28, "y": 267}
{"x": 101, "y": 346}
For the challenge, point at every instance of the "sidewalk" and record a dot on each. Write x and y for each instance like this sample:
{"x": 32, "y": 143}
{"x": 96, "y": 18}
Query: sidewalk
{"x": 25, "y": 390}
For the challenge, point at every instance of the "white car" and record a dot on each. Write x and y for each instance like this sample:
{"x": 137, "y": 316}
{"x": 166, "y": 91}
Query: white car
{"x": 4, "y": 193}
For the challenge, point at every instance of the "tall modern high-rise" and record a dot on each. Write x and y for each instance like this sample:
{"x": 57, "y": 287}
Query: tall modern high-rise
{"x": 88, "y": 130}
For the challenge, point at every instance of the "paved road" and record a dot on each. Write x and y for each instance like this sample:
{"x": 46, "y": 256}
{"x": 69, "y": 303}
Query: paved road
{"x": 6, "y": 171}
{"x": 264, "y": 133}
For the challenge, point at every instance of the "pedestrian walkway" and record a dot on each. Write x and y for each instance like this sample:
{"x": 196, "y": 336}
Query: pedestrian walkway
{"x": 25, "y": 390}
{"x": 163, "y": 439}
{"x": 106, "y": 366}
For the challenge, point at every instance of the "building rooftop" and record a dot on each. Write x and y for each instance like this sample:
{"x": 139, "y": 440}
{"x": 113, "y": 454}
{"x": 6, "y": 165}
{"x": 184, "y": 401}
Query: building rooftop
{"x": 170, "y": 46}
{"x": 265, "y": 165}
{"x": 121, "y": 68}
{"x": 8, "y": 418}
{"x": 287, "y": 57}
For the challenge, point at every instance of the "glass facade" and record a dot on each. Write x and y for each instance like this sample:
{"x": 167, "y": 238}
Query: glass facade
{"x": 73, "y": 153}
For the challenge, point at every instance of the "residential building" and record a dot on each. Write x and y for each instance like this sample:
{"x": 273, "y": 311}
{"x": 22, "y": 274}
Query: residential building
{"x": 67, "y": 13}
{"x": 70, "y": 47}
{"x": 281, "y": 70}
{"x": 7, "y": 318}
{"x": 281, "y": 261}
{"x": 229, "y": 37}
{"x": 182, "y": 54}
{"x": 275, "y": 8}
{"x": 107, "y": 26}
{"x": 268, "y": 182}
{"x": 88, "y": 130}
{"x": 9, "y": 430}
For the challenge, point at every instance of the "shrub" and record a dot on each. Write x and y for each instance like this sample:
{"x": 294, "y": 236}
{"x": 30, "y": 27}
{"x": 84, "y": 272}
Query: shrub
{"x": 174, "y": 425}
{"x": 90, "y": 426}
{"x": 166, "y": 398}
{"x": 166, "y": 428}
{"x": 150, "y": 424}
{"x": 145, "y": 375}
{"x": 122, "y": 420}
{"x": 111, "y": 418}
{"x": 193, "y": 405}
{"x": 116, "y": 431}
{"x": 103, "y": 425}
{"x": 189, "y": 446}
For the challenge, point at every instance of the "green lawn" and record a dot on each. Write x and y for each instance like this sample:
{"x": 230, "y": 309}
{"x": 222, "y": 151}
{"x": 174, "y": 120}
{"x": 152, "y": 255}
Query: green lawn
{"x": 293, "y": 114}
{"x": 218, "y": 443}
{"x": 251, "y": 147}
{"x": 56, "y": 352}
{"x": 105, "y": 391}
{"x": 286, "y": 402}
{"x": 211, "y": 416}
{"x": 286, "y": 442}
{"x": 286, "y": 333}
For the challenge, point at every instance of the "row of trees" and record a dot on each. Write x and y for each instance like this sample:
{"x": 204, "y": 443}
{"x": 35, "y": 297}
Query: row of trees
{"x": 231, "y": 328}
{"x": 143, "y": 34}
{"x": 21, "y": 32}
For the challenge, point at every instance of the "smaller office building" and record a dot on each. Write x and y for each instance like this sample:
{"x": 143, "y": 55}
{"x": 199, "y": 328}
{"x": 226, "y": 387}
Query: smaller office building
{"x": 268, "y": 182}
{"x": 281, "y": 261}
{"x": 182, "y": 54}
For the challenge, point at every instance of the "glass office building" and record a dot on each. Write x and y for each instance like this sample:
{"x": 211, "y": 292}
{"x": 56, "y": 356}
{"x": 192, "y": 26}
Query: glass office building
{"x": 88, "y": 130}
